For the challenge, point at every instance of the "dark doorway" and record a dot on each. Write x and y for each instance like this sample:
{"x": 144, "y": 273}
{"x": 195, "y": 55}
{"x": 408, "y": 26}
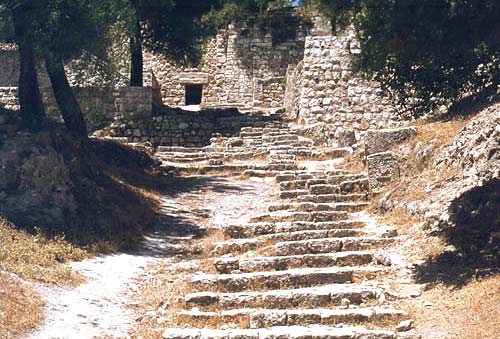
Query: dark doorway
{"x": 193, "y": 94}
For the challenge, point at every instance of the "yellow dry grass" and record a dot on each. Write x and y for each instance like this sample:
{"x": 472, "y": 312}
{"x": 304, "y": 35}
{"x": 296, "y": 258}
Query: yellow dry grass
{"x": 20, "y": 309}
{"x": 471, "y": 312}
{"x": 417, "y": 176}
{"x": 36, "y": 258}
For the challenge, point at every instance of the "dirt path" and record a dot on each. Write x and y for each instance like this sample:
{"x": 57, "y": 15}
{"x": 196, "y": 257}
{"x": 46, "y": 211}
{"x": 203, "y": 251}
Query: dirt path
{"x": 98, "y": 307}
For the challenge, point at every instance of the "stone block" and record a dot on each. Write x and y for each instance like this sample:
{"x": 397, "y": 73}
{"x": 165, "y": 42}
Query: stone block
{"x": 382, "y": 169}
{"x": 377, "y": 141}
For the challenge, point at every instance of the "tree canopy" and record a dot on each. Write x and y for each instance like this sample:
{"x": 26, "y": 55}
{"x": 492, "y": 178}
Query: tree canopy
{"x": 426, "y": 53}
{"x": 269, "y": 16}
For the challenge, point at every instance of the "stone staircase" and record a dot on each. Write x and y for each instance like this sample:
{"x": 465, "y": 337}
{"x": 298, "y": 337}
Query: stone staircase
{"x": 263, "y": 150}
{"x": 307, "y": 268}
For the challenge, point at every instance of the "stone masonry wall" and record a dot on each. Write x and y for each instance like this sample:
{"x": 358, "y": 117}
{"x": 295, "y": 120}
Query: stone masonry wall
{"x": 240, "y": 66}
{"x": 180, "y": 128}
{"x": 294, "y": 76}
{"x": 100, "y": 100}
{"x": 333, "y": 94}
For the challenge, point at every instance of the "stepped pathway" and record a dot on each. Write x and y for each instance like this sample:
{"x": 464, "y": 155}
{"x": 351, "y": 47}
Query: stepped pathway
{"x": 264, "y": 150}
{"x": 310, "y": 266}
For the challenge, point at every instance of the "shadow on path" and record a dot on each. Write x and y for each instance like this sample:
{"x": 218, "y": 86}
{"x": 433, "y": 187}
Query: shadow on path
{"x": 179, "y": 222}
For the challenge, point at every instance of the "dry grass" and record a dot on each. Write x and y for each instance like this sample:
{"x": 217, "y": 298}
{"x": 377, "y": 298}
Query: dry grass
{"x": 160, "y": 294}
{"x": 36, "y": 258}
{"x": 471, "y": 312}
{"x": 417, "y": 176}
{"x": 20, "y": 309}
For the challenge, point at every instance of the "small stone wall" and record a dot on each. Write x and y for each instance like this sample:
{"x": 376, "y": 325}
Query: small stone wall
{"x": 182, "y": 128}
{"x": 134, "y": 102}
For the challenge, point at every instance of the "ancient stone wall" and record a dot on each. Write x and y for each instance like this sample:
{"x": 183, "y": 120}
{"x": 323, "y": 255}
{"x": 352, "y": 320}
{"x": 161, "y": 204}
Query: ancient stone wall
{"x": 240, "y": 65}
{"x": 327, "y": 91}
{"x": 98, "y": 96}
{"x": 181, "y": 128}
{"x": 294, "y": 76}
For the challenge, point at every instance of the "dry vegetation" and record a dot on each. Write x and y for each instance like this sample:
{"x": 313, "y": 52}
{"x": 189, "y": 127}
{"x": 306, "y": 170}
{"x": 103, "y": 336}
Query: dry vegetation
{"x": 36, "y": 258}
{"x": 33, "y": 258}
{"x": 462, "y": 311}
{"x": 417, "y": 174}
{"x": 471, "y": 312}
{"x": 20, "y": 308}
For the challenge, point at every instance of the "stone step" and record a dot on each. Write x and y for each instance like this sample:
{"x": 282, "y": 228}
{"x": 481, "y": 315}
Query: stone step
{"x": 249, "y": 173}
{"x": 180, "y": 149}
{"x": 185, "y": 160}
{"x": 347, "y": 186}
{"x": 262, "y": 318}
{"x": 329, "y": 245}
{"x": 182, "y": 155}
{"x": 293, "y": 194}
{"x": 280, "y": 263}
{"x": 286, "y": 332}
{"x": 268, "y": 280}
{"x": 326, "y": 198}
{"x": 337, "y": 206}
{"x": 312, "y": 297}
{"x": 307, "y": 206}
{"x": 307, "y": 183}
{"x": 318, "y": 216}
{"x": 236, "y": 246}
{"x": 312, "y": 234}
{"x": 262, "y": 228}
{"x": 236, "y": 169}
{"x": 280, "y": 137}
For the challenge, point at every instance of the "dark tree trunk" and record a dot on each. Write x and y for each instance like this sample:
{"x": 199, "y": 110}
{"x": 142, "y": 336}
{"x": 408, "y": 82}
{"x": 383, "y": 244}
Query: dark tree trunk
{"x": 136, "y": 58}
{"x": 30, "y": 100}
{"x": 65, "y": 98}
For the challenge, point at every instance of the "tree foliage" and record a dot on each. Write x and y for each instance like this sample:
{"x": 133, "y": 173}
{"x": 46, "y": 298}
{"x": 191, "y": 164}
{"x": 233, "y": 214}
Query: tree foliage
{"x": 426, "y": 52}
{"x": 276, "y": 17}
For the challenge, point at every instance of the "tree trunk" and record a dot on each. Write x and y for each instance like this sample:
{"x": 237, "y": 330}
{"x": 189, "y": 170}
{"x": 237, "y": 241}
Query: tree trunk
{"x": 30, "y": 100}
{"x": 136, "y": 58}
{"x": 65, "y": 98}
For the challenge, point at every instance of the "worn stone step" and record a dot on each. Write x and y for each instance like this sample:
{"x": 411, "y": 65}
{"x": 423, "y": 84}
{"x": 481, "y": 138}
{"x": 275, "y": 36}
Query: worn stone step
{"x": 257, "y": 173}
{"x": 329, "y": 245}
{"x": 182, "y": 155}
{"x": 186, "y": 160}
{"x": 293, "y": 185}
{"x": 280, "y": 137}
{"x": 262, "y": 228}
{"x": 280, "y": 263}
{"x": 286, "y": 332}
{"x": 236, "y": 246}
{"x": 180, "y": 149}
{"x": 268, "y": 280}
{"x": 293, "y": 194}
{"x": 324, "y": 225}
{"x": 313, "y": 234}
{"x": 318, "y": 216}
{"x": 347, "y": 186}
{"x": 223, "y": 169}
{"x": 323, "y": 296}
{"x": 262, "y": 318}
{"x": 338, "y": 179}
{"x": 285, "y": 177}
{"x": 337, "y": 206}
{"x": 326, "y": 198}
